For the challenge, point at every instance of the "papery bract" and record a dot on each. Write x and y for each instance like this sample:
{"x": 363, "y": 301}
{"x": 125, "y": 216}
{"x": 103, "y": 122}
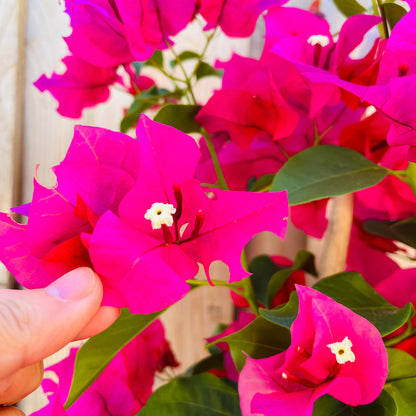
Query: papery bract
{"x": 122, "y": 388}
{"x": 100, "y": 167}
{"x": 147, "y": 268}
{"x": 82, "y": 85}
{"x": 235, "y": 17}
{"x": 290, "y": 382}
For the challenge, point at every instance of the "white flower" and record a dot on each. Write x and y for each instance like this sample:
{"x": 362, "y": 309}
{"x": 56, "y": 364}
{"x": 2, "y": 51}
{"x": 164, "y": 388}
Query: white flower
{"x": 318, "y": 40}
{"x": 342, "y": 351}
{"x": 160, "y": 214}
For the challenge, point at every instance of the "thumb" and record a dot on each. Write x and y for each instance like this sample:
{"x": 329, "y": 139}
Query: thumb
{"x": 36, "y": 323}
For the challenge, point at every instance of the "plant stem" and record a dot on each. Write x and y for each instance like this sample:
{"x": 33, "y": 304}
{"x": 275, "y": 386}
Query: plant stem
{"x": 221, "y": 182}
{"x": 187, "y": 78}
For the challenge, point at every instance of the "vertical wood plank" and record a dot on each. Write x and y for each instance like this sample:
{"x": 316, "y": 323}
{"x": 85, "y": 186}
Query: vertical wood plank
{"x": 12, "y": 29}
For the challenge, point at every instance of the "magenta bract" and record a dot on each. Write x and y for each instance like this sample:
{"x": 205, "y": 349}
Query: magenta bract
{"x": 333, "y": 351}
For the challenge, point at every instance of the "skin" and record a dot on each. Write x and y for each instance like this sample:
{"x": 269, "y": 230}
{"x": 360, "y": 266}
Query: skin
{"x": 36, "y": 323}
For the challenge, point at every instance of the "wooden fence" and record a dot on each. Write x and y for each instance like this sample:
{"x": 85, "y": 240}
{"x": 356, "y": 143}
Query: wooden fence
{"x": 31, "y": 133}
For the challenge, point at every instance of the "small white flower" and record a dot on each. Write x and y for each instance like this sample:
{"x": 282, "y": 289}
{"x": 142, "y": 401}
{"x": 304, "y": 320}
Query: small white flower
{"x": 342, "y": 351}
{"x": 318, "y": 40}
{"x": 160, "y": 214}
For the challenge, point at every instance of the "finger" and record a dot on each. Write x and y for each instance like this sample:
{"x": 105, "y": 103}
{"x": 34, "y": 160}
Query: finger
{"x": 11, "y": 411}
{"x": 21, "y": 384}
{"x": 36, "y": 323}
{"x": 105, "y": 316}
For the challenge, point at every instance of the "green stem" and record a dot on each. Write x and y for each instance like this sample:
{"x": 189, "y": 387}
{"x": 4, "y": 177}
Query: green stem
{"x": 201, "y": 56}
{"x": 407, "y": 333}
{"x": 187, "y": 78}
{"x": 221, "y": 182}
{"x": 407, "y": 175}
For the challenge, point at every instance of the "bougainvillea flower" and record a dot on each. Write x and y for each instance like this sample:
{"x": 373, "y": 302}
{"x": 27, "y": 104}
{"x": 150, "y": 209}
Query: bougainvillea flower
{"x": 282, "y": 296}
{"x": 235, "y": 17}
{"x": 82, "y": 85}
{"x": 122, "y": 389}
{"x": 100, "y": 167}
{"x": 314, "y": 364}
{"x": 146, "y": 267}
{"x": 150, "y": 24}
{"x": 399, "y": 55}
{"x": 98, "y": 34}
{"x": 250, "y": 109}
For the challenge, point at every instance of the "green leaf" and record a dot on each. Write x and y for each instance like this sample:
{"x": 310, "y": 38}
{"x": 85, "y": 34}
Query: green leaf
{"x": 180, "y": 116}
{"x": 349, "y": 7}
{"x": 137, "y": 66}
{"x": 212, "y": 362}
{"x": 401, "y": 365}
{"x": 206, "y": 70}
{"x": 200, "y": 395}
{"x": 156, "y": 59}
{"x": 263, "y": 182}
{"x": 404, "y": 394}
{"x": 352, "y": 291}
{"x": 285, "y": 314}
{"x": 184, "y": 56}
{"x": 259, "y": 339}
{"x": 403, "y": 231}
{"x": 325, "y": 171}
{"x": 305, "y": 260}
{"x": 384, "y": 405}
{"x": 97, "y": 352}
{"x": 262, "y": 269}
{"x": 393, "y": 13}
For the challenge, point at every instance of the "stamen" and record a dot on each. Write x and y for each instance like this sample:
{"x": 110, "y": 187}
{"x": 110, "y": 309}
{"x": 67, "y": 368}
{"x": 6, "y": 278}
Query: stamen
{"x": 179, "y": 201}
{"x": 301, "y": 351}
{"x": 289, "y": 376}
{"x": 403, "y": 69}
{"x": 167, "y": 234}
{"x": 199, "y": 221}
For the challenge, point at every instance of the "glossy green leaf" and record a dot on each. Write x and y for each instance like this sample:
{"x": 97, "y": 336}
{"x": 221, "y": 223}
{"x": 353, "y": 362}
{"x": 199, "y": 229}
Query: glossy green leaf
{"x": 199, "y": 395}
{"x": 212, "y": 362}
{"x": 97, "y": 352}
{"x": 403, "y": 231}
{"x": 263, "y": 269}
{"x": 393, "y": 12}
{"x": 206, "y": 70}
{"x": 404, "y": 394}
{"x": 305, "y": 261}
{"x": 184, "y": 56}
{"x": 351, "y": 290}
{"x": 264, "y": 182}
{"x": 137, "y": 66}
{"x": 401, "y": 365}
{"x": 156, "y": 59}
{"x": 180, "y": 116}
{"x": 384, "y": 405}
{"x": 325, "y": 171}
{"x": 349, "y": 7}
{"x": 283, "y": 315}
{"x": 259, "y": 339}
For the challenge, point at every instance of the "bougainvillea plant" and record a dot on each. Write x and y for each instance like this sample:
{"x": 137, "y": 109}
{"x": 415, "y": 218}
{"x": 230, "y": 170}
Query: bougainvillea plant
{"x": 319, "y": 130}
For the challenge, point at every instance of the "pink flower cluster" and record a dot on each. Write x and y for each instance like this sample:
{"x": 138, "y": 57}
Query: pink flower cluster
{"x": 333, "y": 351}
{"x": 108, "y": 34}
{"x": 132, "y": 210}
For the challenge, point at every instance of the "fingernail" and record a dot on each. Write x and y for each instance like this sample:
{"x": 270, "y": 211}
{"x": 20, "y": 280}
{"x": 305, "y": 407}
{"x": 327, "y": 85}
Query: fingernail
{"x": 74, "y": 285}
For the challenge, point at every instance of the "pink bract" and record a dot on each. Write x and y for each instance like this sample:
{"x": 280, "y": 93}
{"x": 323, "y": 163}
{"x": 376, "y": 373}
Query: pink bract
{"x": 147, "y": 268}
{"x": 290, "y": 382}
{"x": 235, "y": 17}
{"x": 122, "y": 389}
{"x": 82, "y": 85}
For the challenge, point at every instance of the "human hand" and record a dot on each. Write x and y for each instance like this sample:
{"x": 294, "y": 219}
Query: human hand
{"x": 36, "y": 323}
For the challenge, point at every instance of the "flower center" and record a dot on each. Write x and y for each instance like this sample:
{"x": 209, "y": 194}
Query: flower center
{"x": 160, "y": 214}
{"x": 342, "y": 351}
